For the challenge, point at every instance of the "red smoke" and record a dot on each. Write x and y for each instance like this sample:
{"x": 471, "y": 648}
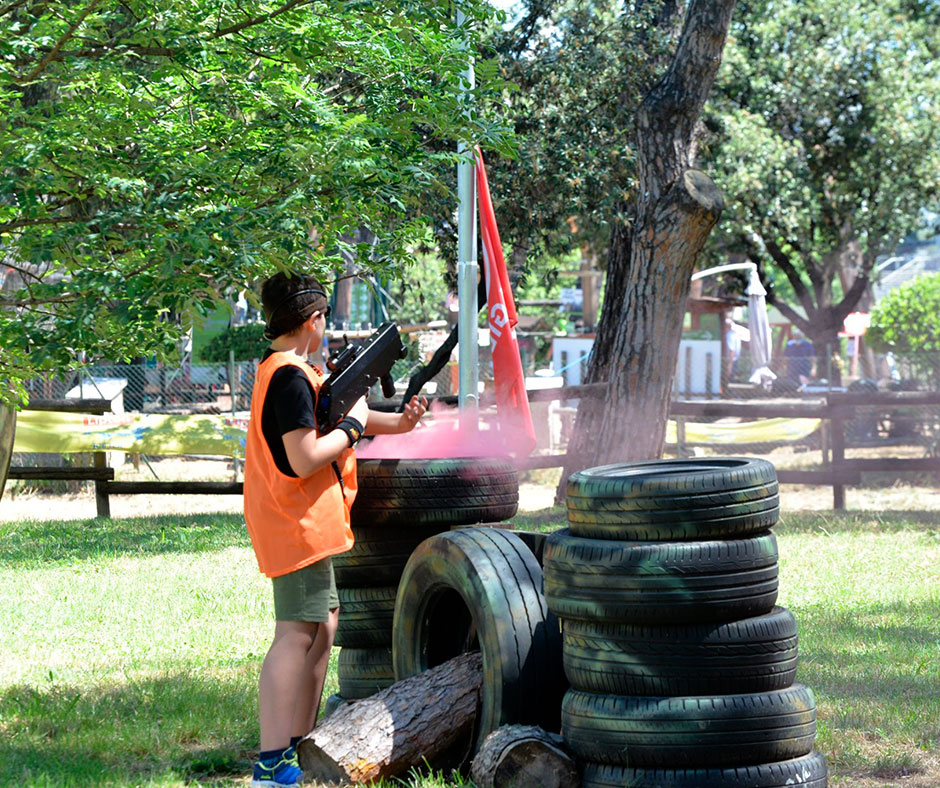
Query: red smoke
{"x": 439, "y": 435}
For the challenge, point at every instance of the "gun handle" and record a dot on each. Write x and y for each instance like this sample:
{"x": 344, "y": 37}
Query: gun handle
{"x": 388, "y": 385}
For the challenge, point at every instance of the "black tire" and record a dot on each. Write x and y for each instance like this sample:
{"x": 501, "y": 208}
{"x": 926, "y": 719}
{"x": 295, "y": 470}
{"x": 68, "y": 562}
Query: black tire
{"x": 444, "y": 492}
{"x": 364, "y": 671}
{"x": 748, "y": 655}
{"x": 660, "y": 582}
{"x": 674, "y": 499}
{"x": 680, "y": 732}
{"x": 807, "y": 771}
{"x": 482, "y": 588}
{"x": 378, "y": 556}
{"x": 365, "y": 617}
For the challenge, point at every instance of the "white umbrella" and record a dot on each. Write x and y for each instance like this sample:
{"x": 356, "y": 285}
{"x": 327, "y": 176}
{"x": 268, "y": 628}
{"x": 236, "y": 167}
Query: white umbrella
{"x": 760, "y": 345}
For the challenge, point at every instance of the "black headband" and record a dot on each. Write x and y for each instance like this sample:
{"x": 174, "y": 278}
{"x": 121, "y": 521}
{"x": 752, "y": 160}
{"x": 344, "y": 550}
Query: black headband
{"x": 316, "y": 290}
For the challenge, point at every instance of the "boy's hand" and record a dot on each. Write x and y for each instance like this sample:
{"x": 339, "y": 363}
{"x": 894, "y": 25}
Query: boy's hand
{"x": 412, "y": 413}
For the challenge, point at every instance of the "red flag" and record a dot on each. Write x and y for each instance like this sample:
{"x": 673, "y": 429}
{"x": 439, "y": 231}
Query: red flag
{"x": 512, "y": 402}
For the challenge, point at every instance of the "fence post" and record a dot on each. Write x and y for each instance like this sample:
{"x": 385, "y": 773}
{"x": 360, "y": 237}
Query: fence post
{"x": 837, "y": 422}
{"x": 102, "y": 501}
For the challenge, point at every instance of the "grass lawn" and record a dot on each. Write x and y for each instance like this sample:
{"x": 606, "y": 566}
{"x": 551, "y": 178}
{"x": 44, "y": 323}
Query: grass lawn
{"x": 131, "y": 648}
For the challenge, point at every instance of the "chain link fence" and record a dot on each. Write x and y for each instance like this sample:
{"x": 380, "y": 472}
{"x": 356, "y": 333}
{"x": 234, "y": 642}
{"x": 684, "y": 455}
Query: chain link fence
{"x": 156, "y": 388}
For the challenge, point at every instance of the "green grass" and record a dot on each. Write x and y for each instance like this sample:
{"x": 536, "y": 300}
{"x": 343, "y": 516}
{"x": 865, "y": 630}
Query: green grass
{"x": 131, "y": 649}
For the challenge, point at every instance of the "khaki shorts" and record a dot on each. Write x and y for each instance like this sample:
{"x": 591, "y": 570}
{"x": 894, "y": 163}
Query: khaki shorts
{"x": 309, "y": 594}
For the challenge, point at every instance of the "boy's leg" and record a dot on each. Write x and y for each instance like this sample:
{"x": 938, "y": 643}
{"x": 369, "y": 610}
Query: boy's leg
{"x": 311, "y": 690}
{"x": 282, "y": 674}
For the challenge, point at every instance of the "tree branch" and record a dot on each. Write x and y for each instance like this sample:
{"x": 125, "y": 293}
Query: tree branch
{"x": 790, "y": 313}
{"x": 11, "y": 7}
{"x": 227, "y": 31}
{"x": 851, "y": 298}
{"x": 757, "y": 246}
{"x": 41, "y": 66}
{"x": 681, "y": 93}
{"x": 15, "y": 225}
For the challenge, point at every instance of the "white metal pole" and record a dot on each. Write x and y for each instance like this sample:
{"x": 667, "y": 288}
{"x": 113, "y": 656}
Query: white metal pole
{"x": 467, "y": 271}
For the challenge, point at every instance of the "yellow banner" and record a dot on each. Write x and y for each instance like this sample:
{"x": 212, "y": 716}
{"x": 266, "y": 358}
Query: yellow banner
{"x": 760, "y": 431}
{"x": 148, "y": 433}
{"x": 139, "y": 433}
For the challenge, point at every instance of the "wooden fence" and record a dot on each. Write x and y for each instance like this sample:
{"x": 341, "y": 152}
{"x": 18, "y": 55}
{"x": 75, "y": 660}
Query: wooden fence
{"x": 836, "y": 410}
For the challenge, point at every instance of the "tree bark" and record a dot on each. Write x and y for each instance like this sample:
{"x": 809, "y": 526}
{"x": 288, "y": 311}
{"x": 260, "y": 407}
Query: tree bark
{"x": 402, "y": 726}
{"x": 651, "y": 259}
{"x": 523, "y": 756}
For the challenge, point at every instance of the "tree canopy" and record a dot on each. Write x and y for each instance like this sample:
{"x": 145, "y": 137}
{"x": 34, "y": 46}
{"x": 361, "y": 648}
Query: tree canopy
{"x": 155, "y": 155}
{"x": 826, "y": 118}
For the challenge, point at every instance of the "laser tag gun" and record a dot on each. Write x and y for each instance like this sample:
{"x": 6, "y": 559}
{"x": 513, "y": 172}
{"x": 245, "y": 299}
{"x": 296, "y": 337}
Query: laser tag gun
{"x": 353, "y": 371}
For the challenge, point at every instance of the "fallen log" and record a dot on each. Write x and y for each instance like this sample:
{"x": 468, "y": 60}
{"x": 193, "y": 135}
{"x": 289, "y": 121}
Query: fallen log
{"x": 523, "y": 756}
{"x": 401, "y": 726}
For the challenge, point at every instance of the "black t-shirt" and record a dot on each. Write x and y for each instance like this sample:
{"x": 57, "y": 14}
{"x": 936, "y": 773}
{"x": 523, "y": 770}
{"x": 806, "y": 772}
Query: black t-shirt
{"x": 288, "y": 405}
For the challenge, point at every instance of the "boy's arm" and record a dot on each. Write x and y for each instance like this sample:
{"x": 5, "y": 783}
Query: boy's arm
{"x": 382, "y": 423}
{"x": 307, "y": 453}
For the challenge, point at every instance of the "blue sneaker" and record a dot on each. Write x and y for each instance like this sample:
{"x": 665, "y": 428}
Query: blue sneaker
{"x": 282, "y": 772}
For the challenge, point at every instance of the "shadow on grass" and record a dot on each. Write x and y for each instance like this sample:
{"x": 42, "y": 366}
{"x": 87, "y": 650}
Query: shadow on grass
{"x": 42, "y": 543}
{"x": 875, "y": 674}
{"x": 168, "y": 729}
{"x": 881, "y": 521}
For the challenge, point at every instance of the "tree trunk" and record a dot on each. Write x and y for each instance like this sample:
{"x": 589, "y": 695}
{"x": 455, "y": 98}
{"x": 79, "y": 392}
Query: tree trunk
{"x": 651, "y": 260}
{"x": 402, "y": 726}
{"x": 523, "y": 756}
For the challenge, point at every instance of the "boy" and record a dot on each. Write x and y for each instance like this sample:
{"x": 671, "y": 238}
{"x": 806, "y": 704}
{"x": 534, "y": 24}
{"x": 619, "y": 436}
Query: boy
{"x": 299, "y": 487}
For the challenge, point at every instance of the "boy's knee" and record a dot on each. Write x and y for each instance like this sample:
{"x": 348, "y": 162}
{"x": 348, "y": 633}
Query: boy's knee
{"x": 297, "y": 633}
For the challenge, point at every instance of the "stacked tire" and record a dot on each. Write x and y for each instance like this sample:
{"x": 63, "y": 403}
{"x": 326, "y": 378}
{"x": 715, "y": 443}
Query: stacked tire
{"x": 681, "y": 666}
{"x": 399, "y": 504}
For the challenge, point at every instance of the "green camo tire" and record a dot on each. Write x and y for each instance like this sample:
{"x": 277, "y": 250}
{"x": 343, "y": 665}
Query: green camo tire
{"x": 660, "y": 582}
{"x": 481, "y": 588}
{"x": 674, "y": 499}
{"x": 807, "y": 771}
{"x": 697, "y": 731}
{"x": 747, "y": 655}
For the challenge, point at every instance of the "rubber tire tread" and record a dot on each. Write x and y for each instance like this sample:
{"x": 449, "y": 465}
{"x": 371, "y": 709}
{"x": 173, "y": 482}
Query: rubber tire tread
{"x": 499, "y": 581}
{"x": 732, "y": 521}
{"x": 807, "y": 771}
{"x": 585, "y": 509}
{"x": 660, "y": 582}
{"x": 665, "y": 501}
{"x": 747, "y": 655}
{"x": 667, "y": 478}
{"x": 366, "y": 616}
{"x": 680, "y": 732}
{"x": 362, "y": 672}
{"x": 462, "y": 491}
{"x": 378, "y": 556}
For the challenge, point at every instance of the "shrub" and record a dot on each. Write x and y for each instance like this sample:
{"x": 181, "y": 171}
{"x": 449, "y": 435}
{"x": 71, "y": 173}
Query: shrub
{"x": 247, "y": 342}
{"x": 906, "y": 323}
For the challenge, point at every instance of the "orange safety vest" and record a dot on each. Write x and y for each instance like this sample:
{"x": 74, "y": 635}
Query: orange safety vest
{"x": 293, "y": 522}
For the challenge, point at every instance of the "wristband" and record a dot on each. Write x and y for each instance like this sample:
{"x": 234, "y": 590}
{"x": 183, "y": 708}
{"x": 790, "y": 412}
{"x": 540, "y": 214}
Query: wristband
{"x": 352, "y": 428}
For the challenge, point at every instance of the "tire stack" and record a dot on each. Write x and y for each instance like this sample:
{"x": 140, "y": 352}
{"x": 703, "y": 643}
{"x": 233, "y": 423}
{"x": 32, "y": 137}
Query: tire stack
{"x": 681, "y": 666}
{"x": 400, "y": 503}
